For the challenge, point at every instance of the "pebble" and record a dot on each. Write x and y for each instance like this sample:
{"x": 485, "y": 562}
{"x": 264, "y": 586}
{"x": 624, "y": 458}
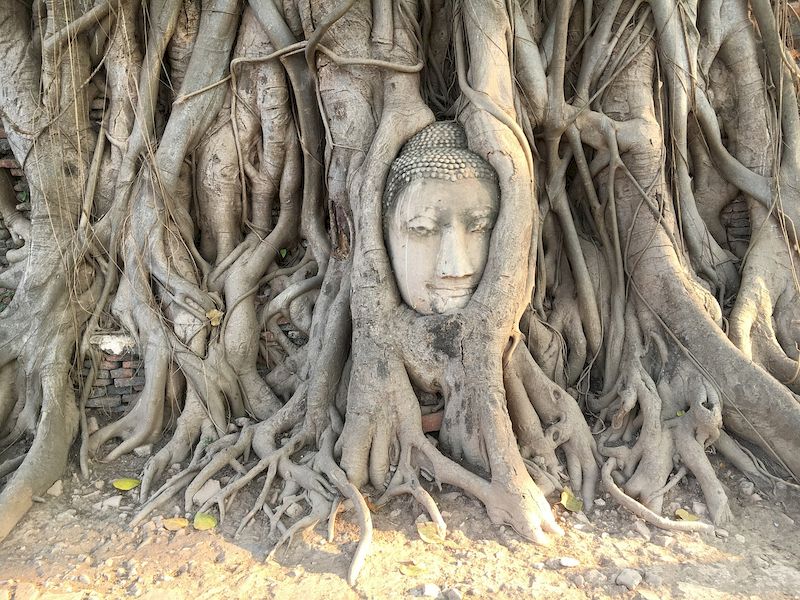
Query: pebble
{"x": 747, "y": 488}
{"x": 294, "y": 511}
{"x": 451, "y": 594}
{"x": 538, "y": 566}
{"x": 92, "y": 425}
{"x": 664, "y": 541}
{"x": 111, "y": 502}
{"x": 642, "y": 529}
{"x": 143, "y": 451}
{"x": 430, "y": 590}
{"x": 99, "y": 484}
{"x": 134, "y": 590}
{"x": 67, "y": 514}
{"x": 56, "y": 489}
{"x": 653, "y": 580}
{"x": 593, "y": 576}
{"x": 630, "y": 578}
{"x": 755, "y": 498}
{"x": 579, "y": 580}
{"x": 721, "y": 533}
{"x": 220, "y": 558}
{"x": 568, "y": 561}
{"x": 205, "y": 493}
{"x": 740, "y": 538}
{"x": 599, "y": 502}
{"x": 699, "y": 508}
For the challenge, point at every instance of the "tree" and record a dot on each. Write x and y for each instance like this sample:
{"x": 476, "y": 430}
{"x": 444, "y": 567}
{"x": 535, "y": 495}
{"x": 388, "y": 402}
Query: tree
{"x": 237, "y": 178}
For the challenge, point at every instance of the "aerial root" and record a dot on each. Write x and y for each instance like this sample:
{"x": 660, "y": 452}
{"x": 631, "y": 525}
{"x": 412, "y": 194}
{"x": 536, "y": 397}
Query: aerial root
{"x": 11, "y": 465}
{"x": 642, "y": 511}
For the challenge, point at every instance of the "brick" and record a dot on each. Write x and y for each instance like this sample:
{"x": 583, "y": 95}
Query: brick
{"x": 114, "y": 357}
{"x": 102, "y": 382}
{"x": 129, "y": 398}
{"x": 138, "y": 388}
{"x": 132, "y": 381}
{"x": 131, "y": 364}
{"x": 109, "y": 365}
{"x": 8, "y": 163}
{"x": 96, "y": 392}
{"x": 3, "y": 133}
{"x": 17, "y": 172}
{"x": 116, "y": 390}
{"x": 120, "y": 373}
{"x": 104, "y": 402}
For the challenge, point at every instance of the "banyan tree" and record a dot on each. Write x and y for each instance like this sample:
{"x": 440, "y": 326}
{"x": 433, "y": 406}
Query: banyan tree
{"x": 361, "y": 244}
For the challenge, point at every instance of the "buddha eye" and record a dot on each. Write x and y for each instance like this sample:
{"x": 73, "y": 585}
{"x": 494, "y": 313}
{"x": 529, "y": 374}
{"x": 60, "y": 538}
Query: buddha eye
{"x": 422, "y": 230}
{"x": 481, "y": 225}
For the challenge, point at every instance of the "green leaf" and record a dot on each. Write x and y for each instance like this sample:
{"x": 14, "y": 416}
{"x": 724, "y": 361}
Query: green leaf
{"x": 204, "y": 521}
{"x": 125, "y": 483}
{"x": 570, "y": 501}
{"x": 680, "y": 413}
{"x": 685, "y": 515}
{"x": 284, "y": 252}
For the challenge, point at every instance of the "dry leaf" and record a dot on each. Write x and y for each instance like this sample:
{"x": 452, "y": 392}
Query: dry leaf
{"x": 125, "y": 483}
{"x": 204, "y": 521}
{"x": 429, "y": 533}
{"x": 411, "y": 569}
{"x": 215, "y": 316}
{"x": 685, "y": 515}
{"x": 570, "y": 502}
{"x": 175, "y": 523}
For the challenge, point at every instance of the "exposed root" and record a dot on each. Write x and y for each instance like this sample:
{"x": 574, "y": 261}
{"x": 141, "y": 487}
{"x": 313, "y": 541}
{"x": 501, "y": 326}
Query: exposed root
{"x": 642, "y": 511}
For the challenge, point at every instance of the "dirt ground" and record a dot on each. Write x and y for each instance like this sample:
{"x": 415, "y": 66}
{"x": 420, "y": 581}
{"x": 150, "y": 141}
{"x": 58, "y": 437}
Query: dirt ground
{"x": 79, "y": 545}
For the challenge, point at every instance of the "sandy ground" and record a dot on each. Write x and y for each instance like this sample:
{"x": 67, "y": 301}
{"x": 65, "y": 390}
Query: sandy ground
{"x": 79, "y": 545}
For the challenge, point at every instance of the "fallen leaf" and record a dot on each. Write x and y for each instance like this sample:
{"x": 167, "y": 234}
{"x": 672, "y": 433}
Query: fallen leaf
{"x": 429, "y": 533}
{"x": 680, "y": 413}
{"x": 175, "y": 523}
{"x": 570, "y": 502}
{"x": 204, "y": 521}
{"x": 215, "y": 316}
{"x": 685, "y": 515}
{"x": 284, "y": 252}
{"x": 411, "y": 569}
{"x": 125, "y": 483}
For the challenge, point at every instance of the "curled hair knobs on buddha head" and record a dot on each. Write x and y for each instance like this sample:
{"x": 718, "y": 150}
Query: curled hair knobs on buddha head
{"x": 440, "y": 151}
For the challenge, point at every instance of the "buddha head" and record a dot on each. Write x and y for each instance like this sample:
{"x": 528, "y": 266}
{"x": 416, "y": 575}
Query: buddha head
{"x": 440, "y": 205}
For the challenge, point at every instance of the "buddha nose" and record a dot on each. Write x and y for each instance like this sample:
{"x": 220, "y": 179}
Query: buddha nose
{"x": 454, "y": 260}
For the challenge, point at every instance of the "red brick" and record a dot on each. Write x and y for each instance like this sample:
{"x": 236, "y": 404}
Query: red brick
{"x": 108, "y": 365}
{"x": 17, "y": 172}
{"x": 2, "y": 133}
{"x": 134, "y": 381}
{"x": 96, "y": 392}
{"x": 104, "y": 402}
{"x": 121, "y": 373}
{"x": 101, "y": 382}
{"x": 117, "y": 390}
{"x": 131, "y": 364}
{"x": 8, "y": 163}
{"x": 114, "y": 356}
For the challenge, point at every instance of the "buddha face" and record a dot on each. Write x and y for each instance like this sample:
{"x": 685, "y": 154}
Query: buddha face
{"x": 438, "y": 236}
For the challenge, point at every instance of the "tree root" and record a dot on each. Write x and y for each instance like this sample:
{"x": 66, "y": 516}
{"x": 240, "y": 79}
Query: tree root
{"x": 642, "y": 511}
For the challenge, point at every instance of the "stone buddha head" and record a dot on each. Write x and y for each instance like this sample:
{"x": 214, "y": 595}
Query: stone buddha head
{"x": 440, "y": 205}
